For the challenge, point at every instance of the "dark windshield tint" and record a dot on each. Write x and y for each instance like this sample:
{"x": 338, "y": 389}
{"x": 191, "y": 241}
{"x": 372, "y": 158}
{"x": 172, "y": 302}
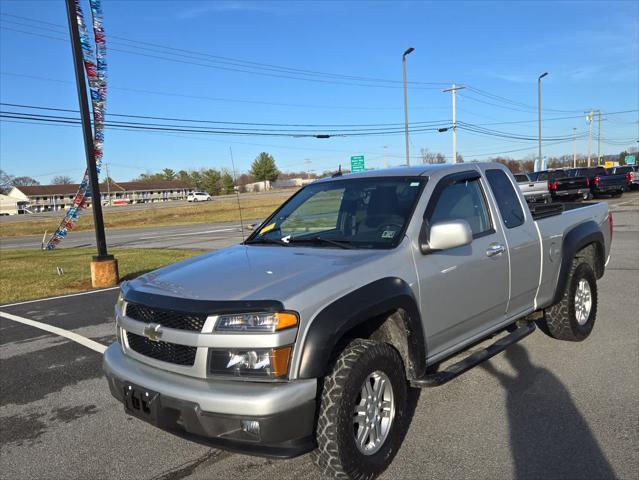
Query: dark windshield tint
{"x": 507, "y": 199}
{"x": 361, "y": 212}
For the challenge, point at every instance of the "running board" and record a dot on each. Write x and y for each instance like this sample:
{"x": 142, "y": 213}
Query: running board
{"x": 439, "y": 378}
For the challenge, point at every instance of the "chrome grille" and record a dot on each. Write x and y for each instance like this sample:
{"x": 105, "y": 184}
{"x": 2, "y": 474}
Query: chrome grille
{"x": 163, "y": 351}
{"x": 166, "y": 318}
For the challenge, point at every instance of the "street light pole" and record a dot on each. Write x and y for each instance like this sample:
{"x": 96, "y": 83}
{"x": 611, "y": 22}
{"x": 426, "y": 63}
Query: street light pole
{"x": 540, "y": 165}
{"x": 574, "y": 147}
{"x": 589, "y": 118}
{"x": 408, "y": 51}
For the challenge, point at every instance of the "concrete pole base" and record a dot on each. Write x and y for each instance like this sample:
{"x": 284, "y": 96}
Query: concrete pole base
{"x": 104, "y": 272}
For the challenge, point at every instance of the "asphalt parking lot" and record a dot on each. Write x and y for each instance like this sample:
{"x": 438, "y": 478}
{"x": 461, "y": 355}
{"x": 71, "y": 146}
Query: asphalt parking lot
{"x": 544, "y": 409}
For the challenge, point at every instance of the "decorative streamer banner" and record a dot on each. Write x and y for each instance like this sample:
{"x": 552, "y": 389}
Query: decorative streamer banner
{"x": 95, "y": 67}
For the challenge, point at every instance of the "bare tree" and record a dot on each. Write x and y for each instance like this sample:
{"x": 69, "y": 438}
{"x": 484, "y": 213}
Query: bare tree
{"x": 62, "y": 180}
{"x": 430, "y": 157}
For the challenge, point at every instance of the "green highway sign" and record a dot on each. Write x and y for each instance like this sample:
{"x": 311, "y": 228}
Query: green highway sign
{"x": 357, "y": 163}
{"x": 630, "y": 160}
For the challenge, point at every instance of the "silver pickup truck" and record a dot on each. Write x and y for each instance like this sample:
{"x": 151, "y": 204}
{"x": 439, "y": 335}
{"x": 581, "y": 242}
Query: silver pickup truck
{"x": 308, "y": 336}
{"x": 533, "y": 191}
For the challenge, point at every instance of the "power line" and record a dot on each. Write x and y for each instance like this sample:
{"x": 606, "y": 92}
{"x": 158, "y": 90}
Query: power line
{"x": 190, "y": 120}
{"x": 224, "y": 59}
{"x": 516, "y": 103}
{"x": 162, "y": 56}
{"x": 222, "y": 99}
{"x": 259, "y": 127}
{"x": 179, "y": 128}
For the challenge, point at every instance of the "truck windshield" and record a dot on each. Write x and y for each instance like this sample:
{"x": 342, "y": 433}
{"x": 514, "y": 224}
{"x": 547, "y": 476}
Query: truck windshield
{"x": 344, "y": 213}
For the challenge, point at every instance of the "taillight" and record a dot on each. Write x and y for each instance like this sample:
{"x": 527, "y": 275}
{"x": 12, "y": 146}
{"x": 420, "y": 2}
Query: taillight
{"x": 553, "y": 185}
{"x": 629, "y": 177}
{"x": 596, "y": 180}
{"x": 610, "y": 224}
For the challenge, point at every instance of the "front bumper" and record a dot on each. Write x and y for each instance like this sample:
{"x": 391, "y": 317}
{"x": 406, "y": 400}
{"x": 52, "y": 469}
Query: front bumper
{"x": 211, "y": 411}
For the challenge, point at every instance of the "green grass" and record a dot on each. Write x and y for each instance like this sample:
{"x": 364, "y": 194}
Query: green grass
{"x": 30, "y": 274}
{"x": 254, "y": 207}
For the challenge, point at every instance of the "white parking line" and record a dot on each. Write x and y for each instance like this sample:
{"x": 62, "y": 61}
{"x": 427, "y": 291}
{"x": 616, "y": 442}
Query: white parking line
{"x": 59, "y": 296}
{"x": 85, "y": 342}
{"x": 190, "y": 233}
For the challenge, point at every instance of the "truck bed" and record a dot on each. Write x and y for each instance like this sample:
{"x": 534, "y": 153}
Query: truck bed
{"x": 550, "y": 210}
{"x": 553, "y": 221}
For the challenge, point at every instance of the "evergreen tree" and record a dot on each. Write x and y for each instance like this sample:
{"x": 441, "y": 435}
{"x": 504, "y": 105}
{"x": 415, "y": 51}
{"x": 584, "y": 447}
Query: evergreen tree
{"x": 263, "y": 168}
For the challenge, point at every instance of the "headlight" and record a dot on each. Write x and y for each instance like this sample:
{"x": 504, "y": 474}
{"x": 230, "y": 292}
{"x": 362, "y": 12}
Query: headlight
{"x": 256, "y": 322}
{"x": 261, "y": 362}
{"x": 119, "y": 305}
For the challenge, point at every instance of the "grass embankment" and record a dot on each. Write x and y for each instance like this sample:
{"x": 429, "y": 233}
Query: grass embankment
{"x": 29, "y": 274}
{"x": 155, "y": 215}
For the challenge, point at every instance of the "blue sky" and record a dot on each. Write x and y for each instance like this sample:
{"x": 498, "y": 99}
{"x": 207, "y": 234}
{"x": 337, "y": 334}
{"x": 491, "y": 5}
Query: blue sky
{"x": 590, "y": 49}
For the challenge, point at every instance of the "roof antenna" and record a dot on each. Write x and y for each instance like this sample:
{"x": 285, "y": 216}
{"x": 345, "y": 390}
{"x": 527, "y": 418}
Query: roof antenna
{"x": 338, "y": 173}
{"x": 237, "y": 193}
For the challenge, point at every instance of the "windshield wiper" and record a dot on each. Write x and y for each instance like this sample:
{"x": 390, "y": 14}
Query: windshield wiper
{"x": 346, "y": 244}
{"x": 271, "y": 241}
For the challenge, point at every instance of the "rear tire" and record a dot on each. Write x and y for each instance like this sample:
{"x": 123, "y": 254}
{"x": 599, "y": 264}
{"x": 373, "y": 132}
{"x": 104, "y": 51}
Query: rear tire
{"x": 339, "y": 453}
{"x": 573, "y": 318}
{"x": 617, "y": 194}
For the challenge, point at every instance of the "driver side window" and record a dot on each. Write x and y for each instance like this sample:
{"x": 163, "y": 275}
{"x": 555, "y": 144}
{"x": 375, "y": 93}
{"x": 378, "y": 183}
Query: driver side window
{"x": 463, "y": 200}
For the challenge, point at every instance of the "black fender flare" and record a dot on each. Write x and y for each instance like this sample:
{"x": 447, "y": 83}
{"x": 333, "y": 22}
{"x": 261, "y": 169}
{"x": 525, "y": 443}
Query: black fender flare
{"x": 576, "y": 239}
{"x": 333, "y": 323}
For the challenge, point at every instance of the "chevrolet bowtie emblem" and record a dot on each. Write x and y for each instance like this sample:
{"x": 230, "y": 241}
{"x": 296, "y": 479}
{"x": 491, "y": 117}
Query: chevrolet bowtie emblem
{"x": 153, "y": 332}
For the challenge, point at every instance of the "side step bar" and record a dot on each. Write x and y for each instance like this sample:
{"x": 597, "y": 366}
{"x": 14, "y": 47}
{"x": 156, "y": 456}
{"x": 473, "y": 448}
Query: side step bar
{"x": 439, "y": 378}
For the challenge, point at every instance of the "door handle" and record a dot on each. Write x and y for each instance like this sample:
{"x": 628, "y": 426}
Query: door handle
{"x": 495, "y": 249}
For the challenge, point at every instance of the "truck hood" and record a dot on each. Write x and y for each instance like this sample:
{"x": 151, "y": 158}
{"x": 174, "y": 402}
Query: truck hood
{"x": 248, "y": 272}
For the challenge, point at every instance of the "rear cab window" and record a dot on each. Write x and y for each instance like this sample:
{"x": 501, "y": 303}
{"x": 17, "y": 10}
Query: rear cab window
{"x": 507, "y": 199}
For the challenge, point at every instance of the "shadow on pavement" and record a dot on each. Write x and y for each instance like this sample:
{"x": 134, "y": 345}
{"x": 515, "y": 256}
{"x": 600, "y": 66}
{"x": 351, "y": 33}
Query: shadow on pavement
{"x": 549, "y": 438}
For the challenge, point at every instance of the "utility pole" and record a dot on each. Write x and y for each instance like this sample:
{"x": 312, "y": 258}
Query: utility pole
{"x": 408, "y": 51}
{"x": 453, "y": 91}
{"x": 539, "y": 116}
{"x": 589, "y": 118}
{"x": 599, "y": 137}
{"x": 574, "y": 147}
{"x": 385, "y": 157}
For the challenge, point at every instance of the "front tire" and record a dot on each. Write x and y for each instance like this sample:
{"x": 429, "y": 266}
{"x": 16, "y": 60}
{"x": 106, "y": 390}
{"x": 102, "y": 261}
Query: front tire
{"x": 363, "y": 412}
{"x": 573, "y": 318}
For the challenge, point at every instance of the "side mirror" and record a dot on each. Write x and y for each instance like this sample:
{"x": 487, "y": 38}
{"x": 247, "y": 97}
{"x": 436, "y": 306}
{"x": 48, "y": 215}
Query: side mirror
{"x": 445, "y": 235}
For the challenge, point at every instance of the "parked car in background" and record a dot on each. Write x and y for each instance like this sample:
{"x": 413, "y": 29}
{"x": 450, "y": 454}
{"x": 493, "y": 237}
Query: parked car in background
{"x": 563, "y": 187}
{"x": 533, "y": 191}
{"x": 630, "y": 172}
{"x": 601, "y": 180}
{"x": 634, "y": 176}
{"x": 198, "y": 197}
